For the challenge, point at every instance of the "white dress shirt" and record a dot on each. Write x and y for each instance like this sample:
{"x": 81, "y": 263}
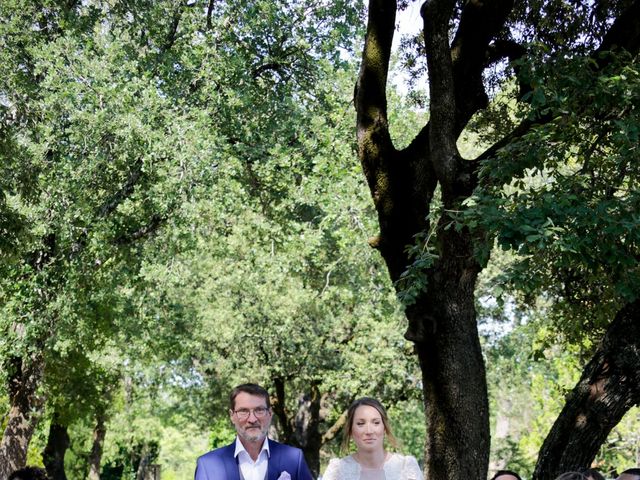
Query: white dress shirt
{"x": 249, "y": 469}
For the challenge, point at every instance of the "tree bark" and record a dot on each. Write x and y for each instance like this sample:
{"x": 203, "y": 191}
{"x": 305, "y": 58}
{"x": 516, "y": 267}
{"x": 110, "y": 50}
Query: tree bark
{"x": 95, "y": 457}
{"x": 307, "y": 428}
{"x": 608, "y": 388}
{"x": 25, "y": 405}
{"x": 454, "y": 379}
{"x": 145, "y": 460}
{"x": 303, "y": 430}
{"x": 57, "y": 444}
{"x": 279, "y": 407}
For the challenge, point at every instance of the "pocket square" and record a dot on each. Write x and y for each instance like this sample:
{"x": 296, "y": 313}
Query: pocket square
{"x": 284, "y": 476}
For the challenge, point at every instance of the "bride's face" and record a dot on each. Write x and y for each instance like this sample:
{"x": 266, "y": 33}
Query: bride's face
{"x": 367, "y": 429}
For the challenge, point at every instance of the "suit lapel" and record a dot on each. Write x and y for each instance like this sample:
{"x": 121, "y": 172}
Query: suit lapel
{"x": 230, "y": 464}
{"x": 274, "y": 468}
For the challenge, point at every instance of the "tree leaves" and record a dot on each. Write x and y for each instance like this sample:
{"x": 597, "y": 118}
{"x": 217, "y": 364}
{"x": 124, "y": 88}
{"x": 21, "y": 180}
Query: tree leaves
{"x": 570, "y": 212}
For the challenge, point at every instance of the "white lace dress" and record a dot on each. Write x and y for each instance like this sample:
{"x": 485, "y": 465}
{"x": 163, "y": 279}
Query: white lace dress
{"x": 396, "y": 467}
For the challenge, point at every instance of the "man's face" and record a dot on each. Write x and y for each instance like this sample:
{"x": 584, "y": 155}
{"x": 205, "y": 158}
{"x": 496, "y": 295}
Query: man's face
{"x": 250, "y": 428}
{"x": 506, "y": 476}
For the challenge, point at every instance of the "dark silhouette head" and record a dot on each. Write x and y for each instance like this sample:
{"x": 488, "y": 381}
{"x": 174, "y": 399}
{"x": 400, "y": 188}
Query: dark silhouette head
{"x": 572, "y": 476}
{"x": 630, "y": 474}
{"x": 29, "y": 473}
{"x": 506, "y": 475}
{"x": 592, "y": 474}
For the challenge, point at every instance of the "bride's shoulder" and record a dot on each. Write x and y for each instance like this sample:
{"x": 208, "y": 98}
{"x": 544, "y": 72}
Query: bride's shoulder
{"x": 341, "y": 469}
{"x": 410, "y": 468}
{"x": 396, "y": 458}
{"x": 404, "y": 466}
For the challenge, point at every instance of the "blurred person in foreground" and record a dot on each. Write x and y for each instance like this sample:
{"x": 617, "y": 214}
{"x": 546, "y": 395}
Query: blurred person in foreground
{"x": 629, "y": 474}
{"x": 368, "y": 426}
{"x": 592, "y": 474}
{"x": 506, "y": 475}
{"x": 572, "y": 476}
{"x": 29, "y": 473}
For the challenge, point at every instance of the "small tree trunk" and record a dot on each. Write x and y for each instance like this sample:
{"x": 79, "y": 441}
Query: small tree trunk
{"x": 307, "y": 428}
{"x": 25, "y": 404}
{"x": 95, "y": 457}
{"x": 144, "y": 462}
{"x": 608, "y": 388}
{"x": 303, "y": 431}
{"x": 279, "y": 407}
{"x": 57, "y": 445}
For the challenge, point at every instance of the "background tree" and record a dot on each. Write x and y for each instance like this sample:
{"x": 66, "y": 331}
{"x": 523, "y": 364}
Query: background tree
{"x": 99, "y": 180}
{"x": 281, "y": 291}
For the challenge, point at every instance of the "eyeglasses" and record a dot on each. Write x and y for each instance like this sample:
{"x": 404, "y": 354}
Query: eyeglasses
{"x": 244, "y": 413}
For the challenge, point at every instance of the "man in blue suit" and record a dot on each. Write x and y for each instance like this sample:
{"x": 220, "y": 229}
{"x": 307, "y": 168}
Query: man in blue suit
{"x": 252, "y": 456}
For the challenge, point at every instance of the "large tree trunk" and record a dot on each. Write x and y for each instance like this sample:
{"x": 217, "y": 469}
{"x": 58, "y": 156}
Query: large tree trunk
{"x": 279, "y": 406}
{"x": 442, "y": 321}
{"x": 608, "y": 388}
{"x": 145, "y": 460}
{"x": 95, "y": 457}
{"x": 455, "y": 391}
{"x": 25, "y": 405}
{"x": 55, "y": 450}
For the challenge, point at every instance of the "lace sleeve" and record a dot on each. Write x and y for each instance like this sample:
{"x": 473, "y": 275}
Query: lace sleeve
{"x": 333, "y": 470}
{"x": 411, "y": 469}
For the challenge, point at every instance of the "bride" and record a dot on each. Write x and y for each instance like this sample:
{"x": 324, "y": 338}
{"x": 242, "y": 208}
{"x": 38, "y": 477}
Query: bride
{"x": 368, "y": 425}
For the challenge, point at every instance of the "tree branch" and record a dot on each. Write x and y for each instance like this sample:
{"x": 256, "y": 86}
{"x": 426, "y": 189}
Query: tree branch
{"x": 150, "y": 228}
{"x": 277, "y": 67}
{"x": 374, "y": 142}
{"x": 480, "y": 24}
{"x": 209, "y": 14}
{"x": 127, "y": 189}
{"x": 331, "y": 433}
{"x": 608, "y": 388}
{"x": 442, "y": 119}
{"x": 512, "y": 50}
{"x": 173, "y": 29}
{"x": 623, "y": 34}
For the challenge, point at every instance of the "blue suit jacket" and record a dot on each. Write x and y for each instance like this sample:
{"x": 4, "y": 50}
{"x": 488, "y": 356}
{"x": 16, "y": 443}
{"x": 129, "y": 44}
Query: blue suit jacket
{"x": 220, "y": 464}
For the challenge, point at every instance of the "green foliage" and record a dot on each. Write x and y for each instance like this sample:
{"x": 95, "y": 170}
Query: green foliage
{"x": 620, "y": 451}
{"x": 180, "y": 448}
{"x": 414, "y": 280}
{"x": 407, "y": 419}
{"x": 155, "y": 208}
{"x": 569, "y": 206}
{"x": 291, "y": 281}
{"x": 530, "y": 371}
{"x": 222, "y": 433}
